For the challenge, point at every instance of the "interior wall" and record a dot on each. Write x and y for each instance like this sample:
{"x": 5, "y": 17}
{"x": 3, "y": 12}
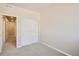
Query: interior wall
{"x": 22, "y": 14}
{"x": 60, "y": 27}
{"x": 11, "y": 28}
{"x": 0, "y": 34}
{"x": 6, "y": 29}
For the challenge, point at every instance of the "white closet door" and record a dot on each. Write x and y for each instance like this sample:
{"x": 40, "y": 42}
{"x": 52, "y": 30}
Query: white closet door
{"x": 1, "y": 35}
{"x": 27, "y": 31}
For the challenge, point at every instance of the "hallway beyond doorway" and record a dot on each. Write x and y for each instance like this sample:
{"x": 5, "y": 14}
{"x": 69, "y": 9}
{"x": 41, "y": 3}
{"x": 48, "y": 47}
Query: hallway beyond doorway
{"x": 11, "y": 40}
{"x": 10, "y": 29}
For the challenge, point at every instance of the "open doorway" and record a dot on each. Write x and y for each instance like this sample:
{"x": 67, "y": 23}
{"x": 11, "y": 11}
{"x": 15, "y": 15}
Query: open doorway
{"x": 10, "y": 29}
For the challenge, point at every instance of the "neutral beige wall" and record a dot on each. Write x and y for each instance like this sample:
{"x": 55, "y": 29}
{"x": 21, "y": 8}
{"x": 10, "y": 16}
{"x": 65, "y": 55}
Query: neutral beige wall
{"x": 60, "y": 27}
{"x": 11, "y": 28}
{"x": 22, "y": 14}
{"x": 0, "y": 34}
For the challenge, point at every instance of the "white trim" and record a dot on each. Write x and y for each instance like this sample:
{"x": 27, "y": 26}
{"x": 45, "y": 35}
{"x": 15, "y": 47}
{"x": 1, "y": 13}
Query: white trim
{"x": 55, "y": 48}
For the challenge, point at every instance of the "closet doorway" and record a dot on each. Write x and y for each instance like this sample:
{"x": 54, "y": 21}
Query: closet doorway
{"x": 10, "y": 29}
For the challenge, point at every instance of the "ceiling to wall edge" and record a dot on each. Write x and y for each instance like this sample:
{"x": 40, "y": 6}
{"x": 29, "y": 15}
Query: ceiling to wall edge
{"x": 10, "y": 6}
{"x": 33, "y": 12}
{"x": 24, "y": 8}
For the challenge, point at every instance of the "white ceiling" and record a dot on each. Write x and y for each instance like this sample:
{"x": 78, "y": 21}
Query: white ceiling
{"x": 38, "y": 7}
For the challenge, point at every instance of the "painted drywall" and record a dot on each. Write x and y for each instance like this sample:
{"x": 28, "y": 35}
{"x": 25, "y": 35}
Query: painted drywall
{"x": 21, "y": 14}
{"x": 59, "y": 27}
{"x": 10, "y": 29}
{"x": 31, "y": 28}
{"x": 3, "y": 29}
{"x": 0, "y": 34}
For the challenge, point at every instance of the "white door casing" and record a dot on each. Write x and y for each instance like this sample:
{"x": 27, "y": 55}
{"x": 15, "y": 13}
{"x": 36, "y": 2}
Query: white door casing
{"x": 3, "y": 28}
{"x": 1, "y": 39}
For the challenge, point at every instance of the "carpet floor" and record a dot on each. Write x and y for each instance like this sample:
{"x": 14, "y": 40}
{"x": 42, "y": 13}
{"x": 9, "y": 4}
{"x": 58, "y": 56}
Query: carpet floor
{"x": 36, "y": 49}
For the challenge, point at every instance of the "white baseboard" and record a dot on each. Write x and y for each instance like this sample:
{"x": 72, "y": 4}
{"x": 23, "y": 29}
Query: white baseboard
{"x": 27, "y": 44}
{"x": 55, "y": 48}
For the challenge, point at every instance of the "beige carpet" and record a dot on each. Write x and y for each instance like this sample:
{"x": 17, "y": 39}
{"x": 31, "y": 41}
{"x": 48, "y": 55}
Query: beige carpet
{"x": 36, "y": 49}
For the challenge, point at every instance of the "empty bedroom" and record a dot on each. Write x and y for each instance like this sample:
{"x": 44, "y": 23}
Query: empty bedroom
{"x": 39, "y": 29}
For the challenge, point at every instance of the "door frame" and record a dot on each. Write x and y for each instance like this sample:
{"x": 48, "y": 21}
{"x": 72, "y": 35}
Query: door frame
{"x": 1, "y": 39}
{"x": 16, "y": 28}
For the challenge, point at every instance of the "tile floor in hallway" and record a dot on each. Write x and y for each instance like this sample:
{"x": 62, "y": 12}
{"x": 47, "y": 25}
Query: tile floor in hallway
{"x": 11, "y": 39}
{"x": 36, "y": 49}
